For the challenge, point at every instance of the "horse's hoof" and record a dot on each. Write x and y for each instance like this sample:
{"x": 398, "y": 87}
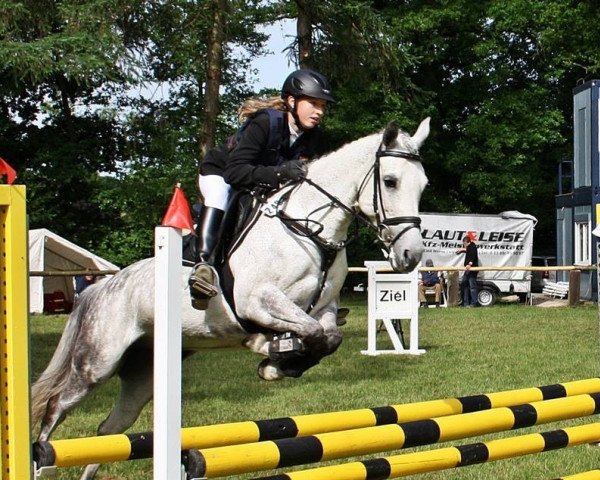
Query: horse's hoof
{"x": 268, "y": 371}
{"x": 342, "y": 313}
{"x": 194, "y": 464}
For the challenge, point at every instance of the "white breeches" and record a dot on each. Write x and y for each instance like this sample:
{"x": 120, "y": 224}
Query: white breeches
{"x": 214, "y": 190}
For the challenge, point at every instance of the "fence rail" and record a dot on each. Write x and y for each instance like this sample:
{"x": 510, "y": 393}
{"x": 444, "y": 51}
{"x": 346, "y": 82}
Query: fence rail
{"x": 453, "y": 268}
{"x": 573, "y": 287}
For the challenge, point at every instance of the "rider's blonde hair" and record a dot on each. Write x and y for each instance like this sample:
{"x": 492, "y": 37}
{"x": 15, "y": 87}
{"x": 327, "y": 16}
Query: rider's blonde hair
{"x": 254, "y": 104}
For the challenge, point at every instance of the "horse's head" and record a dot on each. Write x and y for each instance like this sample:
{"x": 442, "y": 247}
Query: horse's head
{"x": 391, "y": 198}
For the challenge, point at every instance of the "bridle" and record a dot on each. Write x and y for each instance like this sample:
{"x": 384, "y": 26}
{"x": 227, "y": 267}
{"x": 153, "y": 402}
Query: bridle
{"x": 382, "y": 223}
{"x": 328, "y": 249}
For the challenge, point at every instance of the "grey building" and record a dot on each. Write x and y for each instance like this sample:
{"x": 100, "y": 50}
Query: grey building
{"x": 578, "y": 199}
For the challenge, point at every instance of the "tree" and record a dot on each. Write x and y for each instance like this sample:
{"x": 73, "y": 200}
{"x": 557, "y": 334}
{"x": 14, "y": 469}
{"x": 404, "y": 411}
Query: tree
{"x": 499, "y": 79}
{"x": 496, "y": 76}
{"x": 100, "y": 162}
{"x": 215, "y": 65}
{"x": 164, "y": 139}
{"x": 355, "y": 45}
{"x": 56, "y": 55}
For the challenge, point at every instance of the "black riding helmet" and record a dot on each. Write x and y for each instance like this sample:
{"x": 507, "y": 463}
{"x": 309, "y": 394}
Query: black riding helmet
{"x": 307, "y": 83}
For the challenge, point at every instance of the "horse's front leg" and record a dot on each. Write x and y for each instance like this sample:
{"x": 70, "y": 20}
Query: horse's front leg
{"x": 260, "y": 342}
{"x": 295, "y": 366}
{"x": 323, "y": 338}
{"x": 271, "y": 308}
{"x": 328, "y": 318}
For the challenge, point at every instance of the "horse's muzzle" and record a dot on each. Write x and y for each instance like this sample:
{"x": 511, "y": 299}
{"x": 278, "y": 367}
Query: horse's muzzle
{"x": 405, "y": 252}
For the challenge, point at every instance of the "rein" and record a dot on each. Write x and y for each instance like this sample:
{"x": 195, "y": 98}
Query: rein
{"x": 382, "y": 222}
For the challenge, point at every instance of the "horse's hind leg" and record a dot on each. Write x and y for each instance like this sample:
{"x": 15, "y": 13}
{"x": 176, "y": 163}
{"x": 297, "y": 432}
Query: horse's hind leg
{"x": 89, "y": 367}
{"x": 136, "y": 391}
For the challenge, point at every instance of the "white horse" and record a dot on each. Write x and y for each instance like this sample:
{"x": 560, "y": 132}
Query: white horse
{"x": 288, "y": 275}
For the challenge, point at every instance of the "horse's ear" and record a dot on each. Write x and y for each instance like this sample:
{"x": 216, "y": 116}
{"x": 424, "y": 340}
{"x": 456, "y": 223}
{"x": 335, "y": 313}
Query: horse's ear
{"x": 422, "y": 132}
{"x": 390, "y": 134}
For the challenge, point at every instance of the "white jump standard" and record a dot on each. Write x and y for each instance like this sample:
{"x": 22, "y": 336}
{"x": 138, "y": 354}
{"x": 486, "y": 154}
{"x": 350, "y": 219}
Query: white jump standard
{"x": 392, "y": 298}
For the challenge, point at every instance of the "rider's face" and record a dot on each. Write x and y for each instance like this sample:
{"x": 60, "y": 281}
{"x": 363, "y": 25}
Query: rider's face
{"x": 309, "y": 110}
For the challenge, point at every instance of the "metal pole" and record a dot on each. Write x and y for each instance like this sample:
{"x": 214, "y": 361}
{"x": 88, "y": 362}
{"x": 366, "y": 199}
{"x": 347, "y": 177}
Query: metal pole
{"x": 15, "y": 445}
{"x": 451, "y": 457}
{"x": 167, "y": 354}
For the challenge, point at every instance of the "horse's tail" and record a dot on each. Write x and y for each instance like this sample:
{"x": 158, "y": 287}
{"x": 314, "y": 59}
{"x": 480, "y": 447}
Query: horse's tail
{"x": 54, "y": 378}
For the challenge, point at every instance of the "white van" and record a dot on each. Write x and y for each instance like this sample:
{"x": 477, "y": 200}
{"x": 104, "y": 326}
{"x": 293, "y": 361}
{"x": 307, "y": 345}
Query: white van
{"x": 503, "y": 240}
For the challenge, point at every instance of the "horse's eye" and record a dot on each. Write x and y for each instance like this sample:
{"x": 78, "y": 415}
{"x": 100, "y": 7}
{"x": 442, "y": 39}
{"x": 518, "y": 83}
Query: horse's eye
{"x": 389, "y": 182}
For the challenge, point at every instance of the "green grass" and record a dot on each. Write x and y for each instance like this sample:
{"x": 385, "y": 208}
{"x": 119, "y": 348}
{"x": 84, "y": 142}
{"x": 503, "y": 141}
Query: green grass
{"x": 469, "y": 351}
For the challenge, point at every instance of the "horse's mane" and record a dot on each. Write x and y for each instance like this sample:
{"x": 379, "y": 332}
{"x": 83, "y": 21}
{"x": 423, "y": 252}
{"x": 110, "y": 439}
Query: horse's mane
{"x": 403, "y": 138}
{"x": 347, "y": 146}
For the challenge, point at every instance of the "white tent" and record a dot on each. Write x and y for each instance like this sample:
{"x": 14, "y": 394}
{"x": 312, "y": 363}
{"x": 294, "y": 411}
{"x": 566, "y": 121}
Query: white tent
{"x": 48, "y": 252}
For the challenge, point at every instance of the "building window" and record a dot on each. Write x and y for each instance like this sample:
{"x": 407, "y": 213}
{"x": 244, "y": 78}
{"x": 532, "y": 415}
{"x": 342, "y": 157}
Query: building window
{"x": 583, "y": 249}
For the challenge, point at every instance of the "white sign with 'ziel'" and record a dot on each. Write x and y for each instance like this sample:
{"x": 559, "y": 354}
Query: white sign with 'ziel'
{"x": 392, "y": 298}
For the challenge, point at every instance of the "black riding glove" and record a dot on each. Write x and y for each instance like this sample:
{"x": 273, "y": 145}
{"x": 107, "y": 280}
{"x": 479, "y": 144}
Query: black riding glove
{"x": 292, "y": 170}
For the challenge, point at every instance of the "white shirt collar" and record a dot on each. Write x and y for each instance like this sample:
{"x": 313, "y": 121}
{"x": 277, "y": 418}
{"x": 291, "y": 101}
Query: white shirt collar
{"x": 294, "y": 133}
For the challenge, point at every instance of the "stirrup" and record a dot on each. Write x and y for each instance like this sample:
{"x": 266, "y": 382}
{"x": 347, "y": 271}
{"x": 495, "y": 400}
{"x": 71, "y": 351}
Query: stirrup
{"x": 202, "y": 287}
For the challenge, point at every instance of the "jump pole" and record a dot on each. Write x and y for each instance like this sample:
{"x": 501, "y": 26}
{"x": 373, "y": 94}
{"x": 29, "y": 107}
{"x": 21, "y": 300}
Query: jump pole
{"x": 589, "y": 475}
{"x": 121, "y": 447}
{"x": 167, "y": 354}
{"x": 451, "y": 457}
{"x": 253, "y": 457}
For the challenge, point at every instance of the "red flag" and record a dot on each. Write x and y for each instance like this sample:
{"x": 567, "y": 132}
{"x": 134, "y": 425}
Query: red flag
{"x": 6, "y": 169}
{"x": 178, "y": 214}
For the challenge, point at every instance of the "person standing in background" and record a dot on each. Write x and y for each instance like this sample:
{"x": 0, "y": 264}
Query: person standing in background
{"x": 81, "y": 283}
{"x": 468, "y": 284}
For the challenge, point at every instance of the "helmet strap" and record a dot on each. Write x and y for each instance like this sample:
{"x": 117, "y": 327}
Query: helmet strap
{"x": 294, "y": 112}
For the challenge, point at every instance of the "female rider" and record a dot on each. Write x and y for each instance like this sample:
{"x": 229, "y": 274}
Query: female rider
{"x": 254, "y": 162}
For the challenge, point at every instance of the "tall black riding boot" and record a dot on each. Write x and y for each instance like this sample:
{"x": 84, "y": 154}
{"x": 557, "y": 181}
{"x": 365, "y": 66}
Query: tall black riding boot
{"x": 202, "y": 278}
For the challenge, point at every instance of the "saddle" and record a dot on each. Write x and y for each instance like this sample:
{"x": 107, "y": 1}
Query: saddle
{"x": 237, "y": 212}
{"x": 242, "y": 212}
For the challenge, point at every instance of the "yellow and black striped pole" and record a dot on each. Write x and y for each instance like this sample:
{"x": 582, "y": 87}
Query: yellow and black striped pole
{"x": 590, "y": 475}
{"x": 451, "y": 457}
{"x": 113, "y": 448}
{"x": 238, "y": 459}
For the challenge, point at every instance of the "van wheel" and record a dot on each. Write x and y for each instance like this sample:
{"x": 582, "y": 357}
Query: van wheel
{"x": 486, "y": 297}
